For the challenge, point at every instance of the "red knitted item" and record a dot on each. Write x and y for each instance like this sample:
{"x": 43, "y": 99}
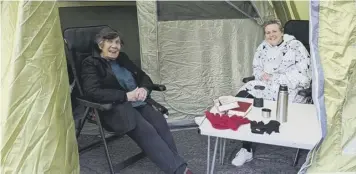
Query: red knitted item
{"x": 225, "y": 122}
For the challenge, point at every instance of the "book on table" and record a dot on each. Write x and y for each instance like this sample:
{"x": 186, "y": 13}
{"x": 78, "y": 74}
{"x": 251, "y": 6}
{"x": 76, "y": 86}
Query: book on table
{"x": 242, "y": 110}
{"x": 225, "y": 103}
{"x": 232, "y": 106}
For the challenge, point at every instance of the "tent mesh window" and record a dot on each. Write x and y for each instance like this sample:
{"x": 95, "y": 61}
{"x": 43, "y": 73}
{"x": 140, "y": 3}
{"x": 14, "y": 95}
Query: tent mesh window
{"x": 204, "y": 10}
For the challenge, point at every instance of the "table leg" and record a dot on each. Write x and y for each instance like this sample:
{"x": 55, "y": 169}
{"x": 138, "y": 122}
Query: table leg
{"x": 296, "y": 158}
{"x": 208, "y": 157}
{"x": 214, "y": 155}
{"x": 223, "y": 151}
{"x": 220, "y": 151}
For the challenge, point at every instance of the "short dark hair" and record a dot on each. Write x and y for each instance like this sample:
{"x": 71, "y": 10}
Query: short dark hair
{"x": 107, "y": 34}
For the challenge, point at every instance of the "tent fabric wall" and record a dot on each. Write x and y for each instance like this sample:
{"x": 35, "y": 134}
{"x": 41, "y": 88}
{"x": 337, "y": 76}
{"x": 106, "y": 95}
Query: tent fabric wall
{"x": 299, "y": 9}
{"x": 37, "y": 128}
{"x": 196, "y": 59}
{"x": 203, "y": 60}
{"x": 335, "y": 42}
{"x": 147, "y": 19}
{"x": 291, "y": 10}
{"x": 265, "y": 11}
{"x": 282, "y": 11}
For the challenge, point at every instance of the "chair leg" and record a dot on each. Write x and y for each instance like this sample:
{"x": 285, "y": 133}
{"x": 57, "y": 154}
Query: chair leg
{"x": 129, "y": 161}
{"x": 104, "y": 141}
{"x": 98, "y": 143}
{"x": 296, "y": 158}
{"x": 82, "y": 122}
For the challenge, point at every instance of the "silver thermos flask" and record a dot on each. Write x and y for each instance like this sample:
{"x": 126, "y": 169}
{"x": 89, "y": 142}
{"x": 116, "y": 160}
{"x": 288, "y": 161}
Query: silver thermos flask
{"x": 282, "y": 104}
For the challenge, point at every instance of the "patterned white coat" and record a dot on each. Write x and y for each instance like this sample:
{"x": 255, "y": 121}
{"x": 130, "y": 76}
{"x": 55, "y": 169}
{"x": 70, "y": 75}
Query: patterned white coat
{"x": 288, "y": 63}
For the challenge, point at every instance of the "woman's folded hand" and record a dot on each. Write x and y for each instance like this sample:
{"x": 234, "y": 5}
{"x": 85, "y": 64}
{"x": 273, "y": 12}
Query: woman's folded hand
{"x": 141, "y": 94}
{"x": 132, "y": 95}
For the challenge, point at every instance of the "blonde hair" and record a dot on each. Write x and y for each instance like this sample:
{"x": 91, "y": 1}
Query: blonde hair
{"x": 273, "y": 21}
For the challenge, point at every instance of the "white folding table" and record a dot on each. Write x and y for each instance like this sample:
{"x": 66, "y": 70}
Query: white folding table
{"x": 302, "y": 129}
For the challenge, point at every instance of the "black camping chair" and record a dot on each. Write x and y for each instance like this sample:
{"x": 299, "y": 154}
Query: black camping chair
{"x": 300, "y": 30}
{"x": 79, "y": 43}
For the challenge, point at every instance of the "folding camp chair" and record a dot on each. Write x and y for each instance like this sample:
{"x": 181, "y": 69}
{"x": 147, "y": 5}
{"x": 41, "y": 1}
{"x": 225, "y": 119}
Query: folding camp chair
{"x": 79, "y": 43}
{"x": 300, "y": 30}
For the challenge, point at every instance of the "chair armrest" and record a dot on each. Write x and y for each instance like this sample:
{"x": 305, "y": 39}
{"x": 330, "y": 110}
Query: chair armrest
{"x": 158, "y": 106}
{"x": 157, "y": 87}
{"x": 100, "y": 106}
{"x": 247, "y": 79}
{"x": 305, "y": 92}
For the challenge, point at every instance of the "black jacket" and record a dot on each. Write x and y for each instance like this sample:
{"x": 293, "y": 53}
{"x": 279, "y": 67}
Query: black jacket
{"x": 100, "y": 84}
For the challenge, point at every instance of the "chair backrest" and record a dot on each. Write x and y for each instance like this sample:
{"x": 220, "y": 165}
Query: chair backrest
{"x": 79, "y": 44}
{"x": 300, "y": 30}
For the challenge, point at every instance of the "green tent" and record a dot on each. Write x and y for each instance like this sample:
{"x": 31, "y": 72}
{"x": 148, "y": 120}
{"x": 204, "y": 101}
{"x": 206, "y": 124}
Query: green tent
{"x": 198, "y": 57}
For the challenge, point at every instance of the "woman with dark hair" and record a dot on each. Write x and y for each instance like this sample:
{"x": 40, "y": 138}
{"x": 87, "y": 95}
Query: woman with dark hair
{"x": 108, "y": 76}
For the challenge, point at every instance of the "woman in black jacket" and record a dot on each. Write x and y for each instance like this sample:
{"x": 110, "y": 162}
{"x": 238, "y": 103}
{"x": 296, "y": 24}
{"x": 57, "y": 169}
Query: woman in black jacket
{"x": 108, "y": 76}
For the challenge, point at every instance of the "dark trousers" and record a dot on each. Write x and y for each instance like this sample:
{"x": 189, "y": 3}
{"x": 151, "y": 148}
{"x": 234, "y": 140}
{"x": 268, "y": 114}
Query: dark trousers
{"x": 153, "y": 136}
{"x": 244, "y": 94}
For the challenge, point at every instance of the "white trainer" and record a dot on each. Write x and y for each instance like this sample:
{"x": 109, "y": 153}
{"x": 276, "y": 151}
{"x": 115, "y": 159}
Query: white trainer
{"x": 241, "y": 157}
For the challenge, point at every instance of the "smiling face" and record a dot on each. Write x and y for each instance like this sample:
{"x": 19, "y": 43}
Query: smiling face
{"x": 273, "y": 34}
{"x": 110, "y": 48}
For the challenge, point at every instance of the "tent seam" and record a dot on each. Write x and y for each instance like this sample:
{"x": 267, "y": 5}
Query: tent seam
{"x": 259, "y": 14}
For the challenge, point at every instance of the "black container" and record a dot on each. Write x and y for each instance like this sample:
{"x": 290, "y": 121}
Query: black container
{"x": 258, "y": 102}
